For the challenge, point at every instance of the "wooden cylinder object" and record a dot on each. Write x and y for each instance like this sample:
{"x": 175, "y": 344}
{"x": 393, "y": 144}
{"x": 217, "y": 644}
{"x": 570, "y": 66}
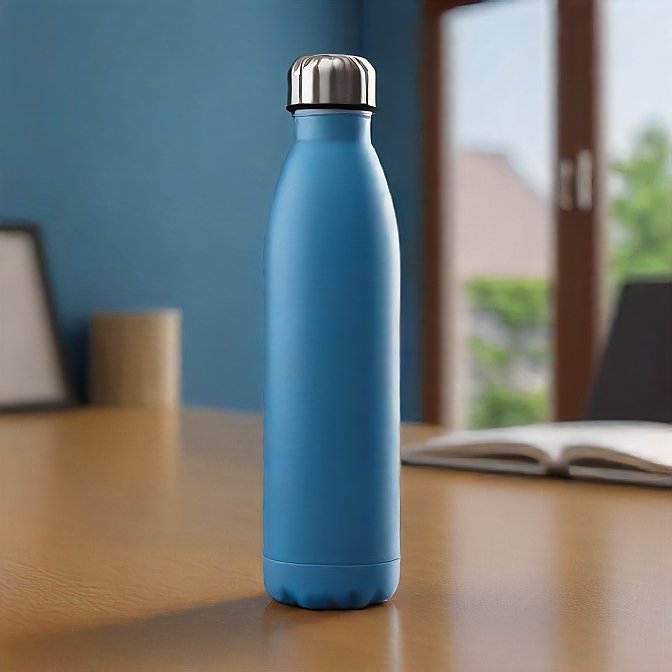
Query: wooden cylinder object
{"x": 135, "y": 358}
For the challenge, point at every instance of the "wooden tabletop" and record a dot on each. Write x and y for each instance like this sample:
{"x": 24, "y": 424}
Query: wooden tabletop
{"x": 130, "y": 540}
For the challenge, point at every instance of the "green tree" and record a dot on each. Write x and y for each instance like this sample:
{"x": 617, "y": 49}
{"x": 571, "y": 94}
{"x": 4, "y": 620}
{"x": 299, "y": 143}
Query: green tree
{"x": 519, "y": 305}
{"x": 642, "y": 209}
{"x": 502, "y": 406}
{"x": 518, "y": 302}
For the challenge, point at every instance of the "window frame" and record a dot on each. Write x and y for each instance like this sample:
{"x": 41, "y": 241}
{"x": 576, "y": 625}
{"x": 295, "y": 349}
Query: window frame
{"x": 580, "y": 242}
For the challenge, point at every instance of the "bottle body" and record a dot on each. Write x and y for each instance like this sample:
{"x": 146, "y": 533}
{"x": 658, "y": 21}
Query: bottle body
{"x": 331, "y": 428}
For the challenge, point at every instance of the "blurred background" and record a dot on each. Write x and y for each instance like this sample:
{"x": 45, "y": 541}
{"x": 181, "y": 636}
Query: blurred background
{"x": 527, "y": 144}
{"x": 501, "y": 61}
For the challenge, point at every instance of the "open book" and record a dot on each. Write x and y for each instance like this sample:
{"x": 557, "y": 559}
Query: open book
{"x": 631, "y": 452}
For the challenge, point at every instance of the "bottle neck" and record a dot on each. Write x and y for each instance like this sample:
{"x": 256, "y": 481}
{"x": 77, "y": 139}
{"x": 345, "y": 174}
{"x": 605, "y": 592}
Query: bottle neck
{"x": 314, "y": 124}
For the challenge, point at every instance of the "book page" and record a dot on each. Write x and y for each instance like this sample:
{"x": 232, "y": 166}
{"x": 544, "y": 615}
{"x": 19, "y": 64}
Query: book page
{"x": 527, "y": 449}
{"x": 551, "y": 448}
{"x": 645, "y": 446}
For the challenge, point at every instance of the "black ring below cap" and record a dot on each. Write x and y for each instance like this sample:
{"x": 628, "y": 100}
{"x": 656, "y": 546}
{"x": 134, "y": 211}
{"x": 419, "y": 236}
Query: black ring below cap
{"x": 329, "y": 106}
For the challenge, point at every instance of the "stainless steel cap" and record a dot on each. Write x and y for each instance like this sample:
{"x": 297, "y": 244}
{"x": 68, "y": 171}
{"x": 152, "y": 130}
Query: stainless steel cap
{"x": 331, "y": 80}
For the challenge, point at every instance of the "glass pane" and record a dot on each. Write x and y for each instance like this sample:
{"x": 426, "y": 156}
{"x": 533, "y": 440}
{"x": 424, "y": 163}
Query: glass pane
{"x": 638, "y": 117}
{"x": 498, "y": 63}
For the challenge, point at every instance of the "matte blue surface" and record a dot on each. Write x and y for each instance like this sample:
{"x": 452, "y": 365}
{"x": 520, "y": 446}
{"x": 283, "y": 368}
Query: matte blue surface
{"x": 347, "y": 586}
{"x": 331, "y": 433}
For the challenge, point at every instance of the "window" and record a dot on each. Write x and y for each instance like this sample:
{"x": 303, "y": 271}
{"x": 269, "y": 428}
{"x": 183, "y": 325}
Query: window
{"x": 637, "y": 51}
{"x": 515, "y": 207}
{"x": 499, "y": 79}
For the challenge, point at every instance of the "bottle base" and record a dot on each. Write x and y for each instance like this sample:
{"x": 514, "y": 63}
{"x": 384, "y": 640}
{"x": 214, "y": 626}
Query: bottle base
{"x": 330, "y": 586}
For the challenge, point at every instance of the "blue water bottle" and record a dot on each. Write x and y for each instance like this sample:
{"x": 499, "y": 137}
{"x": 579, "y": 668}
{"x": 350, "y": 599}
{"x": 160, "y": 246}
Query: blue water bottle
{"x": 331, "y": 428}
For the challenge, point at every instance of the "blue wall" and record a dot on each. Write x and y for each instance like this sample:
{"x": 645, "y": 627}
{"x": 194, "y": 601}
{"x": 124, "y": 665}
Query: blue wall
{"x": 392, "y": 41}
{"x": 146, "y": 138}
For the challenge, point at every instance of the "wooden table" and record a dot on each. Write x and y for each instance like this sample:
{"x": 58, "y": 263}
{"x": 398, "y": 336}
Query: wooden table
{"x": 130, "y": 540}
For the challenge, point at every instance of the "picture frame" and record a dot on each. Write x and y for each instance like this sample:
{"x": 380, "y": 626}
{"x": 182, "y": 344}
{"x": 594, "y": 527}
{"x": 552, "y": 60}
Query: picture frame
{"x": 34, "y": 374}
